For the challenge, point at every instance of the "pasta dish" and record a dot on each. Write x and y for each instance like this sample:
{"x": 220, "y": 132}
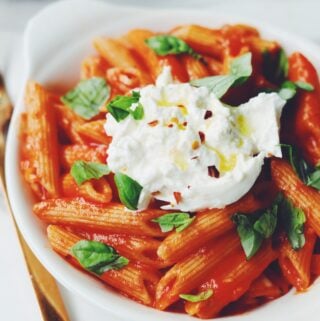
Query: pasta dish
{"x": 183, "y": 168}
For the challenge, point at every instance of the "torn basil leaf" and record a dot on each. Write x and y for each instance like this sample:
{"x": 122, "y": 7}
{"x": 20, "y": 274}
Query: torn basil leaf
{"x": 122, "y": 106}
{"x": 168, "y": 222}
{"x": 164, "y": 45}
{"x": 202, "y": 296}
{"x": 87, "y": 97}
{"x": 289, "y": 89}
{"x": 240, "y": 71}
{"x": 83, "y": 171}
{"x": 97, "y": 257}
{"x": 129, "y": 190}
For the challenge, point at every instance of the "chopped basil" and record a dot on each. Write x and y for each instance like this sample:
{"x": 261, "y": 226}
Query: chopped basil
{"x": 164, "y": 45}
{"x": 129, "y": 190}
{"x": 240, "y": 71}
{"x": 283, "y": 65}
{"x": 310, "y": 176}
{"x": 122, "y": 106}
{"x": 289, "y": 89}
{"x": 293, "y": 220}
{"x": 202, "y": 296}
{"x": 168, "y": 222}
{"x": 97, "y": 257}
{"x": 83, "y": 171}
{"x": 87, "y": 97}
{"x": 253, "y": 229}
{"x": 251, "y": 239}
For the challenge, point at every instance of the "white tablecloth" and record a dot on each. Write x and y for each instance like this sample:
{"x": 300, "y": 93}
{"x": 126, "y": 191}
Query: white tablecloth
{"x": 17, "y": 301}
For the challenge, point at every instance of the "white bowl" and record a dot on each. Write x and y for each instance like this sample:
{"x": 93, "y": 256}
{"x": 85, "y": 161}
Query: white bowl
{"x": 55, "y": 42}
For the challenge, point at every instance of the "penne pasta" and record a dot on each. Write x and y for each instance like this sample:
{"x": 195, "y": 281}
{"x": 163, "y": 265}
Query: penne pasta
{"x": 96, "y": 190}
{"x": 94, "y": 66}
{"x": 296, "y": 265}
{"x": 195, "y": 68}
{"x": 230, "y": 280}
{"x": 131, "y": 280}
{"x": 111, "y": 218}
{"x": 88, "y": 153}
{"x": 209, "y": 224}
{"x": 39, "y": 162}
{"x": 302, "y": 196}
{"x": 189, "y": 272}
{"x": 315, "y": 264}
{"x": 93, "y": 132}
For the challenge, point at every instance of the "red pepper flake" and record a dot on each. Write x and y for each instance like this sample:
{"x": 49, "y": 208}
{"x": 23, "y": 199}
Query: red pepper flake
{"x": 155, "y": 193}
{"x": 185, "y": 124}
{"x": 153, "y": 123}
{"x": 208, "y": 114}
{"x": 177, "y": 196}
{"x": 202, "y": 137}
{"x": 170, "y": 125}
{"x": 213, "y": 171}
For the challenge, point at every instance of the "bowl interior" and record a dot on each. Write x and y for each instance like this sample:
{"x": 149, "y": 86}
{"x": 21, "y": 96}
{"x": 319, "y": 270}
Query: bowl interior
{"x": 52, "y": 56}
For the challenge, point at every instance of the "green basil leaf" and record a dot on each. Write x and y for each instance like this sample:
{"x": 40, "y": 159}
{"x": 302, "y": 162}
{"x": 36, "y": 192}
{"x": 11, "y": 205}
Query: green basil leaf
{"x": 304, "y": 85}
{"x": 121, "y": 107}
{"x": 240, "y": 71}
{"x": 97, "y": 257}
{"x": 283, "y": 65}
{"x": 129, "y": 190}
{"x": 202, "y": 296}
{"x": 164, "y": 45}
{"x": 267, "y": 223}
{"x": 293, "y": 219}
{"x": 83, "y": 171}
{"x": 314, "y": 178}
{"x": 299, "y": 165}
{"x": 87, "y": 97}
{"x": 250, "y": 239}
{"x": 168, "y": 222}
{"x": 289, "y": 89}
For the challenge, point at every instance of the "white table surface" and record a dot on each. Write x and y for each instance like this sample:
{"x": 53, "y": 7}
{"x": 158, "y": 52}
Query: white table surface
{"x": 17, "y": 300}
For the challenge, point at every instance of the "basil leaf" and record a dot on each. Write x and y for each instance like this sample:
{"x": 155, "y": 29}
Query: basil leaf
{"x": 83, "y": 171}
{"x": 168, "y": 222}
{"x": 304, "y": 85}
{"x": 267, "y": 223}
{"x": 289, "y": 89}
{"x": 299, "y": 165}
{"x": 314, "y": 178}
{"x": 97, "y": 257}
{"x": 202, "y": 296}
{"x": 294, "y": 219}
{"x": 87, "y": 97}
{"x": 121, "y": 107}
{"x": 250, "y": 239}
{"x": 240, "y": 71}
{"x": 129, "y": 190}
{"x": 164, "y": 45}
{"x": 283, "y": 65}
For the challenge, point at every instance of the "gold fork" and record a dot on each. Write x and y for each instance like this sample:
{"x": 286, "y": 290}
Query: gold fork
{"x": 46, "y": 289}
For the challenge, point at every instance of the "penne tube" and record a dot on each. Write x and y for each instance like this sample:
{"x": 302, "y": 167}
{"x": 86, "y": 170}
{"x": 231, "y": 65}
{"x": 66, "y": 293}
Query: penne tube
{"x": 315, "y": 264}
{"x": 111, "y": 218}
{"x": 95, "y": 190}
{"x": 195, "y": 68}
{"x": 94, "y": 66}
{"x": 136, "y": 38}
{"x": 137, "y": 282}
{"x": 115, "y": 53}
{"x": 137, "y": 248}
{"x": 296, "y": 265}
{"x": 93, "y": 132}
{"x": 200, "y": 39}
{"x": 302, "y": 196}
{"x": 40, "y": 149}
{"x": 88, "y": 153}
{"x": 178, "y": 70}
{"x": 69, "y": 122}
{"x": 188, "y": 273}
{"x": 230, "y": 280}
{"x": 207, "y": 225}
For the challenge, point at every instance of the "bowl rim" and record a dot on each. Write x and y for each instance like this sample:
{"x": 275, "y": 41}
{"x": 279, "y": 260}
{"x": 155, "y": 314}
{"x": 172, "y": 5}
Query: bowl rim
{"x": 53, "y": 263}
